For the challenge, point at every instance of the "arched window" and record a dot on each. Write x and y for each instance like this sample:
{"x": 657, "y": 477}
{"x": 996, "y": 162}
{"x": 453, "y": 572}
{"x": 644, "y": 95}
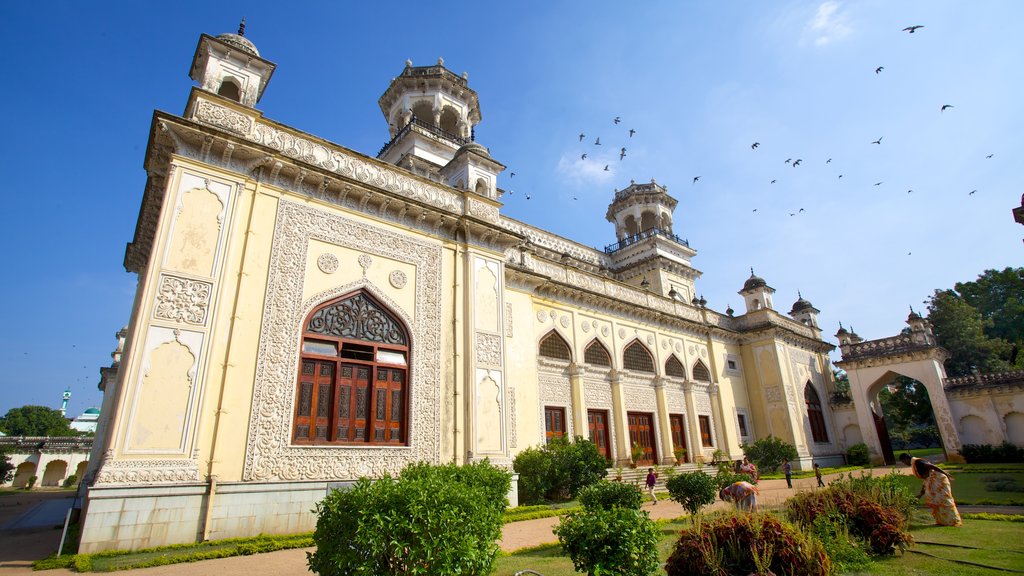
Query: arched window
{"x": 553, "y": 346}
{"x": 701, "y": 372}
{"x": 229, "y": 89}
{"x": 814, "y": 415}
{"x": 674, "y": 368}
{"x": 636, "y": 357}
{"x": 597, "y": 355}
{"x": 352, "y": 387}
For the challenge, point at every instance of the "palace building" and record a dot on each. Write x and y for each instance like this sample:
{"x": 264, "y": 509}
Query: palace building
{"x": 307, "y": 315}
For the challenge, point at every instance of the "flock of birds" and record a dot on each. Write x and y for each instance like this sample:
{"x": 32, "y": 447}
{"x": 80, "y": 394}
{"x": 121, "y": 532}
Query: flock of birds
{"x": 587, "y": 154}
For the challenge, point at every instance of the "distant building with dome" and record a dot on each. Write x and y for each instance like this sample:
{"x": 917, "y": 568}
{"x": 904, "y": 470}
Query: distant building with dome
{"x": 308, "y": 314}
{"x": 86, "y": 422}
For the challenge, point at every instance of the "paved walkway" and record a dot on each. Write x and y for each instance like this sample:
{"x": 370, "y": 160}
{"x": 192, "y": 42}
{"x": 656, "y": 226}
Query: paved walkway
{"x": 15, "y": 558}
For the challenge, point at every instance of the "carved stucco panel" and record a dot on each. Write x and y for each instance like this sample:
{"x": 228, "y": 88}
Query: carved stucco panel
{"x": 182, "y": 300}
{"x": 225, "y": 118}
{"x": 488, "y": 349}
{"x": 702, "y": 402}
{"x": 641, "y": 399}
{"x": 598, "y": 394}
{"x": 269, "y": 454}
{"x": 554, "y": 387}
{"x": 676, "y": 402}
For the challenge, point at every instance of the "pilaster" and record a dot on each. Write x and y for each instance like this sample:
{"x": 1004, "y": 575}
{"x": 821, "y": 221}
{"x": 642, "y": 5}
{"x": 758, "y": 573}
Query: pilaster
{"x": 664, "y": 426}
{"x": 622, "y": 446}
{"x": 579, "y": 402}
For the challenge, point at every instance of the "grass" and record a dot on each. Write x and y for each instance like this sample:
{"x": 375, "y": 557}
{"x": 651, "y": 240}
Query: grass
{"x": 778, "y": 475}
{"x": 974, "y": 484}
{"x": 538, "y": 511}
{"x": 922, "y": 452}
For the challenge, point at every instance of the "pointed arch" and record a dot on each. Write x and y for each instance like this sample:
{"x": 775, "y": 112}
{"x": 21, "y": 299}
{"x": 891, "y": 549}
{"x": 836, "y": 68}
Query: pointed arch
{"x": 674, "y": 368}
{"x": 352, "y": 387}
{"x": 701, "y": 372}
{"x": 555, "y": 347}
{"x": 229, "y": 88}
{"x": 597, "y": 355}
{"x": 819, "y": 433}
{"x": 637, "y": 357}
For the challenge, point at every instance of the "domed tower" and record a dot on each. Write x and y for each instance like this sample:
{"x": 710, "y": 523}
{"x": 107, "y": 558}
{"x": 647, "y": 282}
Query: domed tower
{"x": 230, "y": 65}
{"x": 431, "y": 113}
{"x": 804, "y": 312}
{"x": 757, "y": 294}
{"x": 648, "y": 254}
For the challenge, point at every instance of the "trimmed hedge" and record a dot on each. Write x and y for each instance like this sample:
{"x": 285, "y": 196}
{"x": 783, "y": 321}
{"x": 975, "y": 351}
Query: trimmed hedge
{"x": 618, "y": 541}
{"x": 858, "y": 455}
{"x": 692, "y": 490}
{"x": 988, "y": 454}
{"x": 607, "y": 495}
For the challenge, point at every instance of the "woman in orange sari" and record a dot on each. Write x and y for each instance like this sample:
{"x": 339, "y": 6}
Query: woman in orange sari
{"x": 936, "y": 489}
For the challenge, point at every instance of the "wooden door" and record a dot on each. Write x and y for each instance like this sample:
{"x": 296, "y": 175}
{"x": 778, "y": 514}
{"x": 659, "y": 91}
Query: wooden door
{"x": 678, "y": 425}
{"x": 597, "y": 422}
{"x": 388, "y": 405}
{"x": 641, "y": 431}
{"x": 554, "y": 423}
{"x": 353, "y": 402}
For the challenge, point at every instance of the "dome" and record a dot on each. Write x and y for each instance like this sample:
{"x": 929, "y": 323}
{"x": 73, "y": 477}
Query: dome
{"x": 754, "y": 282}
{"x": 913, "y": 316}
{"x": 801, "y": 305}
{"x": 842, "y": 331}
{"x": 474, "y": 147}
{"x": 91, "y": 411}
{"x": 240, "y": 42}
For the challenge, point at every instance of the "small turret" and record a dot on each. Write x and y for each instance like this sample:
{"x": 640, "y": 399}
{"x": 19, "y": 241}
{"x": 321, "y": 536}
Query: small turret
{"x": 804, "y": 312}
{"x": 230, "y": 66}
{"x": 757, "y": 294}
{"x": 843, "y": 335}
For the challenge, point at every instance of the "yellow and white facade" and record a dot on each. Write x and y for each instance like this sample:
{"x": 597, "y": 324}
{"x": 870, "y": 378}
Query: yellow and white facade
{"x": 457, "y": 333}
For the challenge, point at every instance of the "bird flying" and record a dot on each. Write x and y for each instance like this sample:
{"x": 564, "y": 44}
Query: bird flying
{"x": 944, "y": 106}
{"x": 772, "y": 182}
{"x": 829, "y": 161}
{"x": 631, "y": 132}
{"x": 605, "y": 167}
{"x": 755, "y": 145}
{"x": 754, "y": 210}
{"x": 878, "y": 183}
{"x": 801, "y": 210}
{"x": 583, "y": 156}
{"x": 911, "y": 29}
{"x": 622, "y": 154}
{"x": 695, "y": 178}
{"x": 527, "y": 196}
{"x": 598, "y": 141}
{"x": 582, "y": 136}
{"x": 879, "y": 69}
{"x": 788, "y": 160}
{"x": 797, "y": 162}
{"x": 840, "y": 175}
{"x": 879, "y": 141}
{"x": 617, "y": 120}
{"x": 971, "y": 193}
{"x": 511, "y": 174}
{"x": 990, "y": 155}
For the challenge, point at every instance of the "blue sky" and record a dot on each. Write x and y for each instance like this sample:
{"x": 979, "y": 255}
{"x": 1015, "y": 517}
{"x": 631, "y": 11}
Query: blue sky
{"x": 698, "y": 81}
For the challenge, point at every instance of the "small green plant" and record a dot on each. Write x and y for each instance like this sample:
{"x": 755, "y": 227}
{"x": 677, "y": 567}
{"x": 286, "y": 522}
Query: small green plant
{"x": 718, "y": 456}
{"x": 637, "y": 453}
{"x": 858, "y": 455}
{"x": 616, "y": 542}
{"x": 31, "y": 482}
{"x": 692, "y": 490}
{"x": 680, "y": 453}
{"x": 767, "y": 453}
{"x": 609, "y": 495}
{"x": 70, "y": 480}
{"x": 618, "y": 473}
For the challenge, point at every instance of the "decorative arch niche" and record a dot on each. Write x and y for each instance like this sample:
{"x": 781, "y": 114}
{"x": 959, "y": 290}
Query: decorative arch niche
{"x": 636, "y": 357}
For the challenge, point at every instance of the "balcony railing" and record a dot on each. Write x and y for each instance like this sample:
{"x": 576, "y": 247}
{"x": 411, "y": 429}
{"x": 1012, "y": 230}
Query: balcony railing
{"x": 649, "y": 233}
{"x": 430, "y": 129}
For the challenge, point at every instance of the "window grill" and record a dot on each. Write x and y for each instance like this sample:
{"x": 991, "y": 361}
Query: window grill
{"x": 674, "y": 368}
{"x": 552, "y": 346}
{"x": 701, "y": 373}
{"x": 636, "y": 357}
{"x": 597, "y": 355}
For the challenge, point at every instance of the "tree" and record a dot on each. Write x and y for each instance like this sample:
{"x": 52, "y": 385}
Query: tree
{"x": 960, "y": 329}
{"x": 6, "y": 467}
{"x": 768, "y": 452}
{"x": 35, "y": 421}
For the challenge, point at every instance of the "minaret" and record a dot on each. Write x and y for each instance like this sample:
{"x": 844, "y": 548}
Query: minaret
{"x": 431, "y": 113}
{"x": 757, "y": 294}
{"x": 230, "y": 66}
{"x": 648, "y": 254}
{"x": 64, "y": 403}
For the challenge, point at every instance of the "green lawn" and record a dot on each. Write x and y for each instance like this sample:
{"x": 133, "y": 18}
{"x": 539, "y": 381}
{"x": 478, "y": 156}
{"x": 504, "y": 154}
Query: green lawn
{"x": 998, "y": 484}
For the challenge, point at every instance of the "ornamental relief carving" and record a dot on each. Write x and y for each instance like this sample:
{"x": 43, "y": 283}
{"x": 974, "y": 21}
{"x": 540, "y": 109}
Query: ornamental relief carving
{"x": 508, "y": 320}
{"x": 482, "y": 210}
{"x": 598, "y": 394}
{"x": 513, "y": 436}
{"x": 642, "y": 399}
{"x": 147, "y": 472}
{"x": 676, "y": 402}
{"x": 554, "y": 388}
{"x": 773, "y": 394}
{"x": 702, "y": 402}
{"x": 334, "y": 159}
{"x": 182, "y": 300}
{"x": 269, "y": 454}
{"x": 488, "y": 349}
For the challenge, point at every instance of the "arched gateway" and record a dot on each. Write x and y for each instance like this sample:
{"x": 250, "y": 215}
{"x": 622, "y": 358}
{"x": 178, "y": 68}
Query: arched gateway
{"x": 874, "y": 364}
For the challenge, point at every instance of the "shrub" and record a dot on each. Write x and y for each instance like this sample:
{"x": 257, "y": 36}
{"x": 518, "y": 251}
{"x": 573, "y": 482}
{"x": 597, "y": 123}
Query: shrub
{"x": 858, "y": 455}
{"x": 70, "y": 480}
{"x": 31, "y": 482}
{"x": 607, "y": 495}
{"x": 692, "y": 490}
{"x": 986, "y": 453}
{"x": 725, "y": 478}
{"x": 6, "y": 467}
{"x": 876, "y": 510}
{"x": 430, "y": 520}
{"x": 616, "y": 541}
{"x": 832, "y": 530}
{"x": 558, "y": 470}
{"x": 768, "y": 452}
{"x": 747, "y": 544}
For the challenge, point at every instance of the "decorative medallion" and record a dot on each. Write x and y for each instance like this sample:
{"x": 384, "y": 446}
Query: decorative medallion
{"x": 365, "y": 260}
{"x": 398, "y": 279}
{"x": 650, "y": 340}
{"x": 664, "y": 344}
{"x": 679, "y": 348}
{"x": 564, "y": 321}
{"x": 328, "y": 263}
{"x": 585, "y": 327}
{"x": 703, "y": 353}
{"x": 605, "y": 331}
{"x": 692, "y": 349}
{"x": 541, "y": 315}
{"x": 553, "y": 315}
{"x": 622, "y": 332}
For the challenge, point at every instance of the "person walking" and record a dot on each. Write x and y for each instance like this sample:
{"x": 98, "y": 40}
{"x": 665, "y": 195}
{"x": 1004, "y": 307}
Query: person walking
{"x": 787, "y": 469}
{"x": 936, "y": 489}
{"x": 817, "y": 474}
{"x": 652, "y": 479}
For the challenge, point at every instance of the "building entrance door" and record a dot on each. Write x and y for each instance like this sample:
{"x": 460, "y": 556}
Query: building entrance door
{"x": 597, "y": 422}
{"x": 641, "y": 431}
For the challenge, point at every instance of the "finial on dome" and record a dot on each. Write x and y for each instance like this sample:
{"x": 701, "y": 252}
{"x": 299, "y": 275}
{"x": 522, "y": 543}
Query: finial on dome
{"x": 241, "y": 27}
{"x": 652, "y": 180}
{"x": 440, "y": 61}
{"x": 751, "y": 270}
{"x": 799, "y": 295}
{"x": 840, "y": 324}
{"x": 911, "y": 308}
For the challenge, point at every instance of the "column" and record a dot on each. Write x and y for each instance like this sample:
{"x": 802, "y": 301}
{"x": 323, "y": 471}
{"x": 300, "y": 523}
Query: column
{"x": 579, "y": 403}
{"x": 622, "y": 445}
{"x": 696, "y": 447}
{"x": 664, "y": 426}
{"x": 722, "y": 426}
